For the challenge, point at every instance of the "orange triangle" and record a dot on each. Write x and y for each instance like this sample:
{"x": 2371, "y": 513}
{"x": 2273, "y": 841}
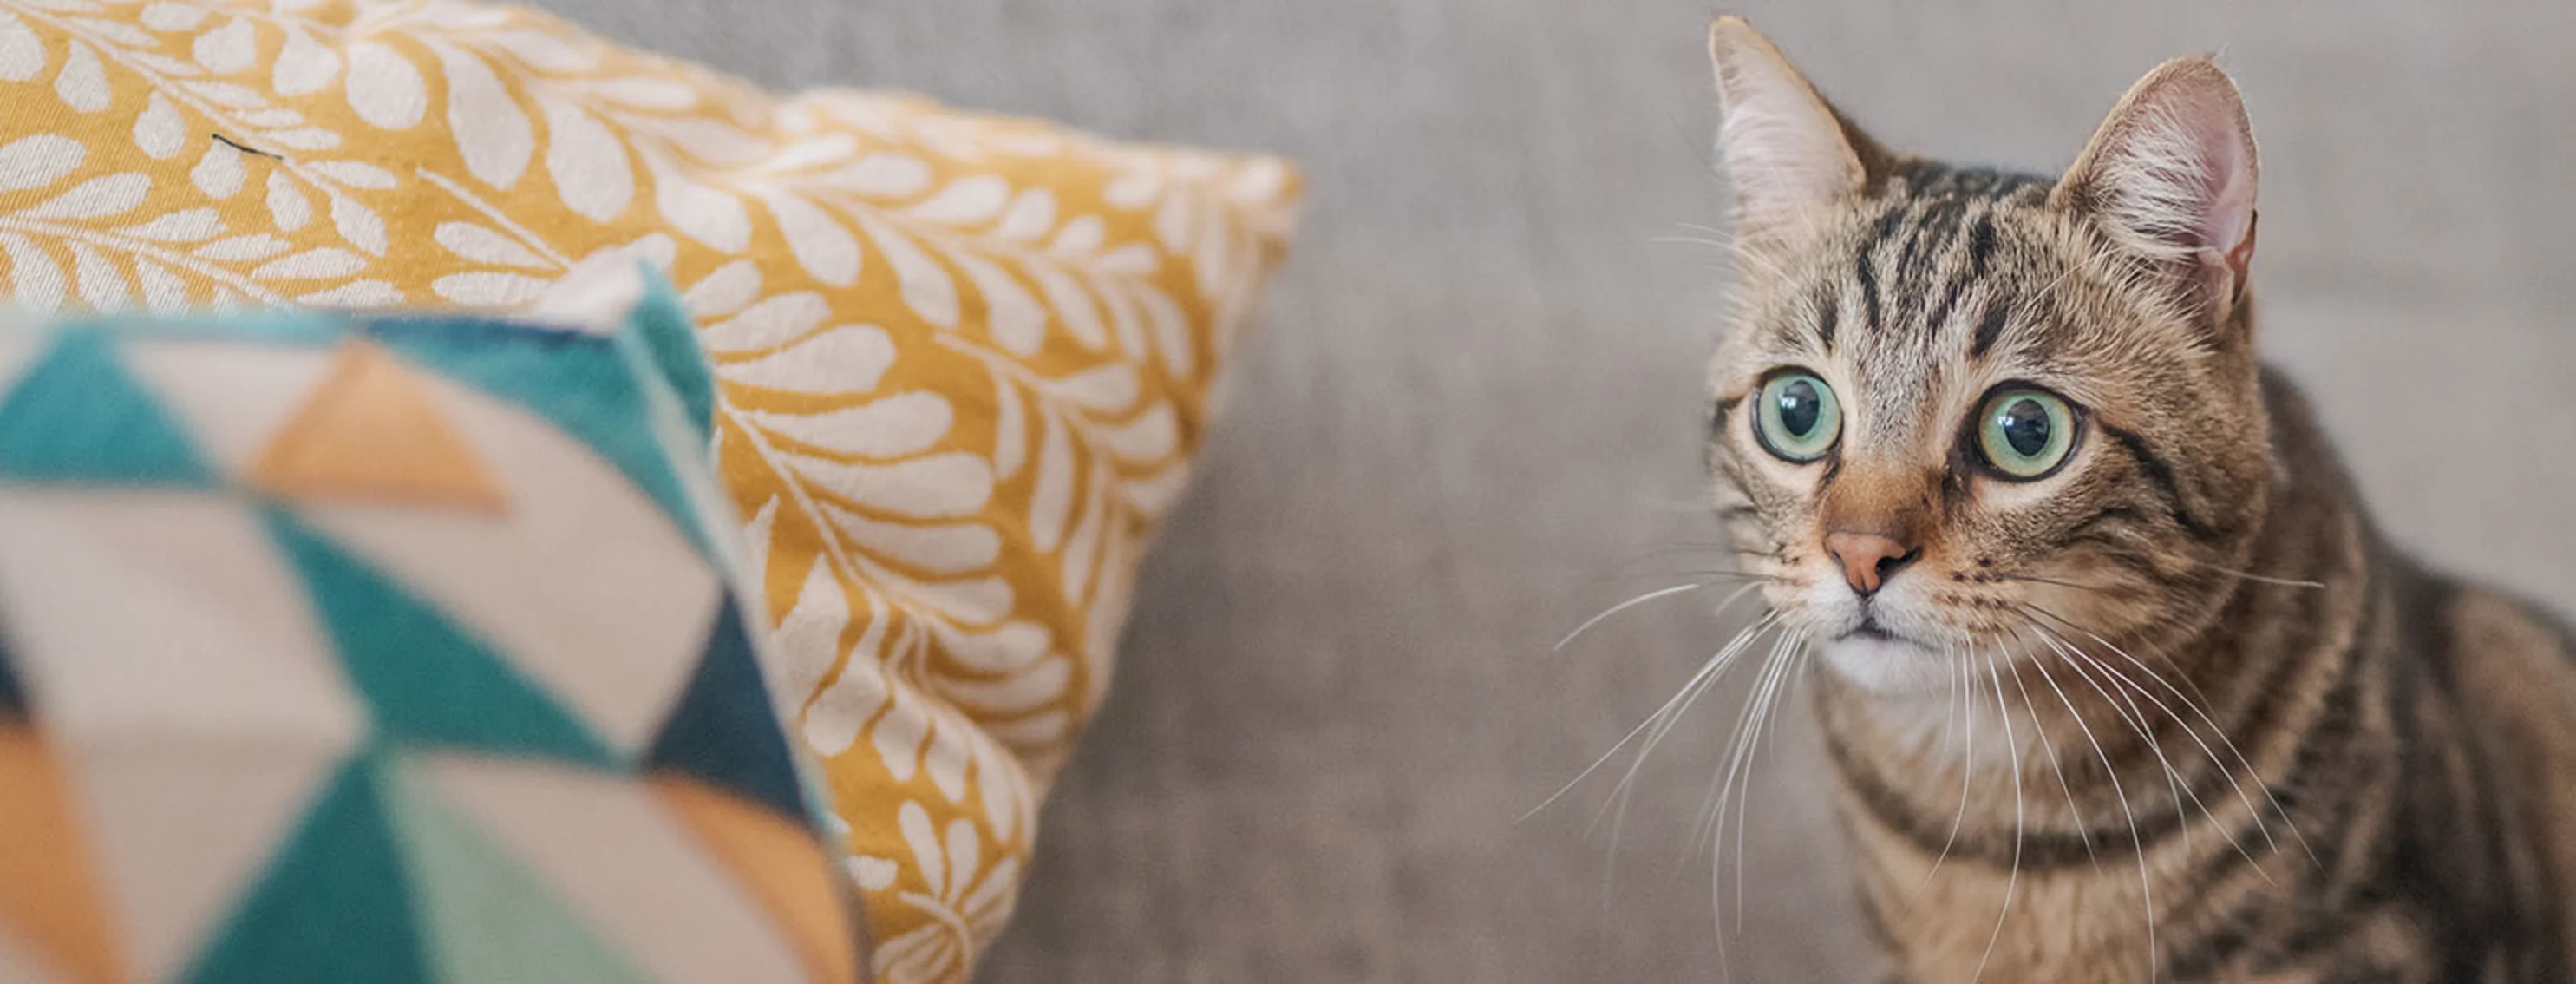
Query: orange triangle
{"x": 48, "y": 901}
{"x": 371, "y": 432}
{"x": 780, "y": 863}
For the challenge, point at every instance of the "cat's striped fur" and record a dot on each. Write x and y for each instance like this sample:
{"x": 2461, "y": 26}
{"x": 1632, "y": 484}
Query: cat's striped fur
{"x": 2228, "y": 733}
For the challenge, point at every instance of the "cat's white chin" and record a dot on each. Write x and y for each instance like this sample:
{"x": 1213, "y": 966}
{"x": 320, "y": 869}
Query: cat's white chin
{"x": 1888, "y": 665}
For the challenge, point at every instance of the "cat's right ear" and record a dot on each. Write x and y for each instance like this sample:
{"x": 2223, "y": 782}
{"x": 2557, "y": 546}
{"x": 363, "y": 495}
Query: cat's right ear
{"x": 2170, "y": 178}
{"x": 1787, "y": 152}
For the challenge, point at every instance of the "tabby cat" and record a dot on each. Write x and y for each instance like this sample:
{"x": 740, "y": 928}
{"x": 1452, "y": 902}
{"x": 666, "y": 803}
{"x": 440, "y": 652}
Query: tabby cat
{"x": 2000, "y": 444}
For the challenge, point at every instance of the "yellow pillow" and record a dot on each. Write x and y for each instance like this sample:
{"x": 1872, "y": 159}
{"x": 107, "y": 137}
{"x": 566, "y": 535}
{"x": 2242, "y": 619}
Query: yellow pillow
{"x": 964, "y": 360}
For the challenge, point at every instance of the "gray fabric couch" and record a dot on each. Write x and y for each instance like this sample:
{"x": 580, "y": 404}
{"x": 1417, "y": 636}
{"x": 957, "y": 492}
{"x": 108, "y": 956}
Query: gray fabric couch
{"x": 1471, "y": 419}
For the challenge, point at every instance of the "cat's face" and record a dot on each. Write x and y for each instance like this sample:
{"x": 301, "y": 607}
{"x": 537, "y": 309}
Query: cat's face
{"x": 1963, "y": 414}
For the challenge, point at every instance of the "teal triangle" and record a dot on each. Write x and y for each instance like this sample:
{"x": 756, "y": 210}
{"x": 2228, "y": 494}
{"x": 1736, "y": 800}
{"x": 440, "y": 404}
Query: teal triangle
{"x": 662, "y": 327}
{"x": 427, "y": 680}
{"x": 723, "y": 730}
{"x": 332, "y": 907}
{"x": 584, "y": 384}
{"x": 77, "y": 415}
{"x": 487, "y": 918}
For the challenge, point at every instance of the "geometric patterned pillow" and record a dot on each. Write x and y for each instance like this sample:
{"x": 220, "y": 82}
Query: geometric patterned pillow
{"x": 405, "y": 648}
{"x": 963, "y": 362}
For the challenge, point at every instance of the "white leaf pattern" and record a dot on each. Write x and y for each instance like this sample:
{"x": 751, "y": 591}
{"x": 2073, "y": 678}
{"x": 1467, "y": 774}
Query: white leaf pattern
{"x": 697, "y": 211}
{"x": 173, "y": 16}
{"x": 227, "y": 49}
{"x": 303, "y": 65}
{"x": 304, "y": 138}
{"x": 1051, "y": 504}
{"x": 37, "y": 160}
{"x": 1030, "y": 216}
{"x": 492, "y": 132}
{"x": 547, "y": 52}
{"x": 1015, "y": 319}
{"x": 38, "y": 280}
{"x": 926, "y": 288}
{"x": 99, "y": 197}
{"x": 818, "y": 241}
{"x": 893, "y": 427}
{"x": 384, "y": 88}
{"x": 255, "y": 246}
{"x": 160, "y": 132}
{"x": 844, "y": 359}
{"x": 808, "y": 638}
{"x": 354, "y": 174}
{"x": 355, "y": 294}
{"x": 586, "y": 162}
{"x": 287, "y": 206}
{"x": 83, "y": 82}
{"x": 358, "y": 224}
{"x": 947, "y": 548}
{"x": 772, "y": 322}
{"x": 880, "y": 176}
{"x": 488, "y": 290}
{"x": 314, "y": 264}
{"x": 22, "y": 54}
{"x": 219, "y": 173}
{"x": 189, "y": 226}
{"x": 483, "y": 245}
{"x": 1010, "y": 428}
{"x": 725, "y": 291}
{"x": 101, "y": 286}
{"x": 935, "y": 487}
{"x": 1072, "y": 307}
{"x": 965, "y": 202}
{"x": 162, "y": 290}
{"x": 112, "y": 32}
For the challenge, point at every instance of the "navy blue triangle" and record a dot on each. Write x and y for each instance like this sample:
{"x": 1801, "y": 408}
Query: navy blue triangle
{"x": 425, "y": 678}
{"x": 333, "y": 906}
{"x": 13, "y": 699}
{"x": 724, "y": 732}
{"x": 79, "y": 416}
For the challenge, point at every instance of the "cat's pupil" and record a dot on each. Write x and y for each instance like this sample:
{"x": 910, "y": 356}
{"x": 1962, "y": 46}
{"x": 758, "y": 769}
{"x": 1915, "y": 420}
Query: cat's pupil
{"x": 2025, "y": 427}
{"x": 1800, "y": 407}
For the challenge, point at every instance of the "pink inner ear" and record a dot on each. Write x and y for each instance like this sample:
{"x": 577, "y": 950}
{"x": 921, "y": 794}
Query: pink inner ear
{"x": 2177, "y": 181}
{"x": 2226, "y": 224}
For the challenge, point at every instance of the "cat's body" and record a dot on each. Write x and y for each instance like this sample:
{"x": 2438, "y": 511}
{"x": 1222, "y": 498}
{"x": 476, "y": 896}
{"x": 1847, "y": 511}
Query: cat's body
{"x": 2120, "y": 682}
{"x": 2414, "y": 733}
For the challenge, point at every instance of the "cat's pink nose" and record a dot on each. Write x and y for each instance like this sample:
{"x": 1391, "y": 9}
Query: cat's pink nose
{"x": 1868, "y": 559}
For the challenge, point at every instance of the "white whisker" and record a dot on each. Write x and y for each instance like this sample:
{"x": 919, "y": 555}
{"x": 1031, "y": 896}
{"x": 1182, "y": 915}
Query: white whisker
{"x": 2013, "y": 881}
{"x": 1714, "y": 664}
{"x": 2137, "y": 844}
{"x": 1624, "y": 606}
{"x": 1967, "y": 766}
{"x": 2197, "y": 709}
{"x": 2059, "y": 769}
{"x": 2085, "y": 666}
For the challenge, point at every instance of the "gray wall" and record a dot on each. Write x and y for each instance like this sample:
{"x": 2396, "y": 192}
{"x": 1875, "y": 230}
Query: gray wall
{"x": 1470, "y": 420}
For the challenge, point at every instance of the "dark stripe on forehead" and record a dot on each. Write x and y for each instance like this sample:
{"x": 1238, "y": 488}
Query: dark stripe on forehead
{"x": 1990, "y": 329}
{"x": 1949, "y": 299}
{"x": 1868, "y": 289}
{"x": 1829, "y": 310}
{"x": 2162, "y": 475}
{"x": 1981, "y": 245}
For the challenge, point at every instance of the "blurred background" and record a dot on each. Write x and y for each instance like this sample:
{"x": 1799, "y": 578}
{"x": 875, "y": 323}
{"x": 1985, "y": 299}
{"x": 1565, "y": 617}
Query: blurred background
{"x": 1471, "y": 419}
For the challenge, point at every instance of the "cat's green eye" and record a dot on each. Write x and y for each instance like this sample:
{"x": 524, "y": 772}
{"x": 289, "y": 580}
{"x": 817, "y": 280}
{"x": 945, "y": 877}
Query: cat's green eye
{"x": 1797, "y": 417}
{"x": 2025, "y": 433}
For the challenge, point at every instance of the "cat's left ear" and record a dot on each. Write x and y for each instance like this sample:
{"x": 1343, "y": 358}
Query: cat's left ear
{"x": 2170, "y": 178}
{"x": 1788, "y": 153}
